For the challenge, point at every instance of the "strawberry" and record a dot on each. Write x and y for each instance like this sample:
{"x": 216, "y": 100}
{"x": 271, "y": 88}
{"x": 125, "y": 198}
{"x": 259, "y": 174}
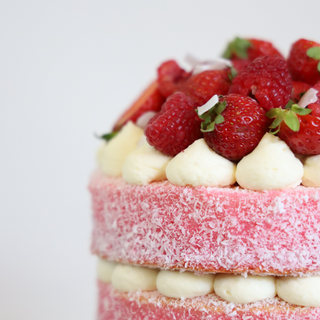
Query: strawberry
{"x": 175, "y": 127}
{"x": 250, "y": 49}
{"x": 202, "y": 86}
{"x": 234, "y": 126}
{"x": 298, "y": 90}
{"x": 169, "y": 77}
{"x": 267, "y": 79}
{"x": 150, "y": 100}
{"x": 299, "y": 127}
{"x": 303, "y": 61}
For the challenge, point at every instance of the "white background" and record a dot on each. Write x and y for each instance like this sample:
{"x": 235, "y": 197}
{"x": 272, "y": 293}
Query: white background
{"x": 67, "y": 70}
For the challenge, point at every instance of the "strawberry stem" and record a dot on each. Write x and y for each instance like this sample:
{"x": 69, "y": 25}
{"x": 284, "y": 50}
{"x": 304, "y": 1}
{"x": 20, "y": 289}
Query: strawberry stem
{"x": 212, "y": 116}
{"x": 288, "y": 115}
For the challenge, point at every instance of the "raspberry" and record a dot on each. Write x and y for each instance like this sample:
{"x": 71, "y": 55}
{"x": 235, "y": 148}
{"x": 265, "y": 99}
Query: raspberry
{"x": 243, "y": 123}
{"x": 175, "y": 127}
{"x": 202, "y": 86}
{"x": 169, "y": 76}
{"x": 301, "y": 66}
{"x": 267, "y": 79}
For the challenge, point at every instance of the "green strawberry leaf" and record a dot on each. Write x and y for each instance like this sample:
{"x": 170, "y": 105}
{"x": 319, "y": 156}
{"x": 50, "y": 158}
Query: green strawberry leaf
{"x": 219, "y": 119}
{"x": 273, "y": 113}
{"x": 277, "y": 121}
{"x": 220, "y": 106}
{"x": 238, "y": 46}
{"x": 289, "y": 104}
{"x": 107, "y": 136}
{"x": 208, "y": 128}
{"x": 319, "y": 66}
{"x": 232, "y": 74}
{"x": 292, "y": 121}
{"x": 314, "y": 53}
{"x": 301, "y": 111}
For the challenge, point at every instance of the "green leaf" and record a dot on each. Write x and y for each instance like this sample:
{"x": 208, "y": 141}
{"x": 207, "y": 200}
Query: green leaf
{"x": 202, "y": 116}
{"x": 275, "y": 132}
{"x": 277, "y": 121}
{"x": 319, "y": 66}
{"x": 209, "y": 128}
{"x": 239, "y": 47}
{"x": 219, "y": 119}
{"x": 232, "y": 74}
{"x": 220, "y": 107}
{"x": 289, "y": 104}
{"x": 314, "y": 53}
{"x": 273, "y": 113}
{"x": 107, "y": 136}
{"x": 301, "y": 111}
{"x": 292, "y": 121}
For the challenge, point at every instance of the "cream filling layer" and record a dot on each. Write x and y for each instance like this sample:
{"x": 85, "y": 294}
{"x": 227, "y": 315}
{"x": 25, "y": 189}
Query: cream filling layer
{"x": 303, "y": 291}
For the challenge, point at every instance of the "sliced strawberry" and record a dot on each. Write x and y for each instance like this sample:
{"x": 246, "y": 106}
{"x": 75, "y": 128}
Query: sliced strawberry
{"x": 150, "y": 100}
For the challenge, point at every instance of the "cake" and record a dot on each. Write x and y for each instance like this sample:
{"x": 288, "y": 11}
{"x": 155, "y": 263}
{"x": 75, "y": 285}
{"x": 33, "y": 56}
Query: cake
{"x": 189, "y": 226}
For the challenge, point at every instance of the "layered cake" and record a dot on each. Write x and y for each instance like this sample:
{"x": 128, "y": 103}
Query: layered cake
{"x": 206, "y": 200}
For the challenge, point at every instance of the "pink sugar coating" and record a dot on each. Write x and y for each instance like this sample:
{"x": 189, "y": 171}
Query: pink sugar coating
{"x": 138, "y": 305}
{"x": 206, "y": 229}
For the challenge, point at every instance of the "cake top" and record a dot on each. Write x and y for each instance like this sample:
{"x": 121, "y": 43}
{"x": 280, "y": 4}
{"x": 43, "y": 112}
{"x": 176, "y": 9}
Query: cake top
{"x": 251, "y": 117}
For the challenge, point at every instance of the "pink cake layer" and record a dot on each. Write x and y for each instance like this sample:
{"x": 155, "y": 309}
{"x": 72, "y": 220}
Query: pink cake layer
{"x": 114, "y": 305}
{"x": 206, "y": 229}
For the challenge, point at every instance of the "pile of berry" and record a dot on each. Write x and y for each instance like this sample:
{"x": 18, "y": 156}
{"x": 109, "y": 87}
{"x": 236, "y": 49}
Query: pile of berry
{"x": 259, "y": 93}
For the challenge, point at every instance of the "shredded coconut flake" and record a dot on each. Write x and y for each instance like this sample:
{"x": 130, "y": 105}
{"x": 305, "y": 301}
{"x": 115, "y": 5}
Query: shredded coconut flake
{"x": 309, "y": 97}
{"x": 208, "y": 105}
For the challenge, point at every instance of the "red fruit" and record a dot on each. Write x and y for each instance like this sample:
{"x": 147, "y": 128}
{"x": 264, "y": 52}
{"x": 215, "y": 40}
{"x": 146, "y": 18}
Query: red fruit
{"x": 239, "y": 64}
{"x": 169, "y": 76}
{"x": 315, "y": 107}
{"x": 150, "y": 100}
{"x": 301, "y": 66}
{"x": 202, "y": 86}
{"x": 267, "y": 79}
{"x": 305, "y": 141}
{"x": 250, "y": 49}
{"x": 244, "y": 124}
{"x": 298, "y": 89}
{"x": 175, "y": 127}
{"x": 260, "y": 48}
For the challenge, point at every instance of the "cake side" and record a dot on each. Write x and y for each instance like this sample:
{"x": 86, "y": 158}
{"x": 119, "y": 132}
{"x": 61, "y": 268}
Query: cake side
{"x": 136, "y": 305}
{"x": 205, "y": 229}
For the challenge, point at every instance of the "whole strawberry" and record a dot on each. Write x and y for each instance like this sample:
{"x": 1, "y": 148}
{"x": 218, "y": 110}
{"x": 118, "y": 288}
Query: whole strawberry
{"x": 299, "y": 126}
{"x": 150, "y": 100}
{"x": 202, "y": 86}
{"x": 175, "y": 127}
{"x": 303, "y": 61}
{"x": 250, "y": 49}
{"x": 234, "y": 126}
{"x": 169, "y": 77}
{"x": 267, "y": 79}
{"x": 298, "y": 90}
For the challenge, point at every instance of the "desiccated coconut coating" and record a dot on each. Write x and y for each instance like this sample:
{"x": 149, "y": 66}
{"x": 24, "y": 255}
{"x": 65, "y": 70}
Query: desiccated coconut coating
{"x": 152, "y": 305}
{"x": 207, "y": 229}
